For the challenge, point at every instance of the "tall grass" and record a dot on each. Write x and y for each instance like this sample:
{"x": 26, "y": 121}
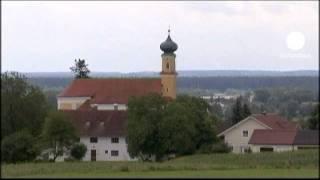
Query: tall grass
{"x": 306, "y": 159}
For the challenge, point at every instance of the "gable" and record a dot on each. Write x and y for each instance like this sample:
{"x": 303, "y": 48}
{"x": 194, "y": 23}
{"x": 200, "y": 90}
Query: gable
{"x": 248, "y": 123}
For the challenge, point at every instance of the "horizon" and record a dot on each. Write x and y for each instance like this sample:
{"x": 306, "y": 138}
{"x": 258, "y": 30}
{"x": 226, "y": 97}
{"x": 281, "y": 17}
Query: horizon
{"x": 177, "y": 70}
{"x": 236, "y": 36}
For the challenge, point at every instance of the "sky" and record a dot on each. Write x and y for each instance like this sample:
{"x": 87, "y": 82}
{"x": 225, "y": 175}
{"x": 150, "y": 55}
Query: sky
{"x": 125, "y": 36}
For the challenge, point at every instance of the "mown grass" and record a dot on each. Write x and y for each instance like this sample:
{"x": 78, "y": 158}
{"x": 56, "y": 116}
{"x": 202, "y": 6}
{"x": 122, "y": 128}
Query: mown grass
{"x": 289, "y": 164}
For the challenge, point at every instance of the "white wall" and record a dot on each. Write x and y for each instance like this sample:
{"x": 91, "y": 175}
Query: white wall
{"x": 103, "y": 144}
{"x": 121, "y": 107}
{"x": 235, "y": 139}
{"x": 75, "y": 101}
{"x": 276, "y": 148}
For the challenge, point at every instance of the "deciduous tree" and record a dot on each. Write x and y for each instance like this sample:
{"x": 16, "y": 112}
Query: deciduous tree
{"x": 23, "y": 106}
{"x": 18, "y": 147}
{"x": 58, "y": 133}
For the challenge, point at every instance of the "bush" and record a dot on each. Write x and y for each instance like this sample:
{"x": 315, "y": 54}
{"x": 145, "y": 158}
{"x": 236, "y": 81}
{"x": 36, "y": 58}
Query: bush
{"x": 205, "y": 149}
{"x": 18, "y": 147}
{"x": 221, "y": 147}
{"x": 78, "y": 151}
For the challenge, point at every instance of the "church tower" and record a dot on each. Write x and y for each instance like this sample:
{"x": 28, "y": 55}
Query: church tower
{"x": 168, "y": 73}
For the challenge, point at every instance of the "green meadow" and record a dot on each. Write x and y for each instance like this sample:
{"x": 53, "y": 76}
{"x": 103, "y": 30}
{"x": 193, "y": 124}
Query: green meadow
{"x": 303, "y": 163}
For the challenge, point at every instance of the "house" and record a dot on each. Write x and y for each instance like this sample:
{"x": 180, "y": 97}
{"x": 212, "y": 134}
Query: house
{"x": 238, "y": 135}
{"x": 283, "y": 140}
{"x": 98, "y": 107}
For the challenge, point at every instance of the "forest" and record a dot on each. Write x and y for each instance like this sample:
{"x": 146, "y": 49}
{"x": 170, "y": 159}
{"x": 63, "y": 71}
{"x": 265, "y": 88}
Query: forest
{"x": 220, "y": 83}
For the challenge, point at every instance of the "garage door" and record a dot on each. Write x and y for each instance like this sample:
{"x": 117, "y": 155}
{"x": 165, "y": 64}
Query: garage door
{"x": 266, "y": 149}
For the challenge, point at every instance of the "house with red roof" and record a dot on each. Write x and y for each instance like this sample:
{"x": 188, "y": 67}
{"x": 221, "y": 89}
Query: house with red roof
{"x": 98, "y": 106}
{"x": 268, "y": 132}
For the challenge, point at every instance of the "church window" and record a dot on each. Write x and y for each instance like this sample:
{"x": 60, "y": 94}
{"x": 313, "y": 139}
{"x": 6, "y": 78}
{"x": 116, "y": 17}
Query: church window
{"x": 167, "y": 65}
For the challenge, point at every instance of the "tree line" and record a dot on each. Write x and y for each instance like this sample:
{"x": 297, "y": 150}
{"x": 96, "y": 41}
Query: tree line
{"x": 217, "y": 83}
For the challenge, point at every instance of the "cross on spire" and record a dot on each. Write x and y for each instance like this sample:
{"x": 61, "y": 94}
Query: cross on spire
{"x": 169, "y": 31}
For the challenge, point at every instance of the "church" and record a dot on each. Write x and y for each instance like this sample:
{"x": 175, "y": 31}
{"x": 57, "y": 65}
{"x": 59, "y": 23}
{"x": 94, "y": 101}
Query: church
{"x": 98, "y": 106}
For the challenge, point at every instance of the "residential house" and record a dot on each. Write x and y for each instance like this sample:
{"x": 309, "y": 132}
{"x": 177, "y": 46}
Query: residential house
{"x": 238, "y": 135}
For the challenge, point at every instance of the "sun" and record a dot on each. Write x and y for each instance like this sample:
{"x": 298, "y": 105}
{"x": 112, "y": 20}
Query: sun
{"x": 295, "y": 40}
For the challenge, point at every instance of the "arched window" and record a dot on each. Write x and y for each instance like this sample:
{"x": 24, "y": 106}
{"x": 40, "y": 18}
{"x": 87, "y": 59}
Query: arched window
{"x": 167, "y": 65}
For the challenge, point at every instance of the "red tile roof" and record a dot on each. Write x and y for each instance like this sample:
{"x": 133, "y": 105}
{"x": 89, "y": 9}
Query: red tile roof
{"x": 98, "y": 123}
{"x": 275, "y": 121}
{"x": 272, "y": 137}
{"x": 112, "y": 90}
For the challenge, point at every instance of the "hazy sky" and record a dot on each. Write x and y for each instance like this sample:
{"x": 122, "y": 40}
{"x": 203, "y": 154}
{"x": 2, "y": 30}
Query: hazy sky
{"x": 125, "y": 36}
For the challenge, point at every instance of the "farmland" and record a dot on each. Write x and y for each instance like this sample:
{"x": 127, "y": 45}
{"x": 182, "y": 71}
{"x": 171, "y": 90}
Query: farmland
{"x": 288, "y": 164}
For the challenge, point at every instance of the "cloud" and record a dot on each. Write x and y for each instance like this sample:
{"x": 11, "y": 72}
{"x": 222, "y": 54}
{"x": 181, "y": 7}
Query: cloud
{"x": 125, "y": 36}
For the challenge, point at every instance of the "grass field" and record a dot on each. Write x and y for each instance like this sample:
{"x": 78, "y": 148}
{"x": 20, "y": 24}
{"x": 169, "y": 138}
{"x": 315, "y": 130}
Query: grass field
{"x": 290, "y": 164}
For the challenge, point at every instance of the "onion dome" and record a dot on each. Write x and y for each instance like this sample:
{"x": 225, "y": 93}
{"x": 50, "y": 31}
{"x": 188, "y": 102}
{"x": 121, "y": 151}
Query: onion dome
{"x": 168, "y": 46}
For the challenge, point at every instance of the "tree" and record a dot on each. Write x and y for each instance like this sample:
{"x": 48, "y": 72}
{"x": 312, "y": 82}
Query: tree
{"x": 239, "y": 111}
{"x": 261, "y": 95}
{"x": 216, "y": 109}
{"x": 158, "y": 127}
{"x": 313, "y": 121}
{"x": 246, "y": 111}
{"x": 23, "y": 106}
{"x": 144, "y": 115}
{"x": 205, "y": 121}
{"x": 237, "y": 114}
{"x": 58, "y": 133}
{"x": 78, "y": 151}
{"x": 18, "y": 147}
{"x": 177, "y": 129}
{"x": 80, "y": 69}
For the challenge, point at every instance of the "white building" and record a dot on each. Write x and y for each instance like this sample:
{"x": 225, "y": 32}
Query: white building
{"x": 239, "y": 135}
{"x": 98, "y": 107}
